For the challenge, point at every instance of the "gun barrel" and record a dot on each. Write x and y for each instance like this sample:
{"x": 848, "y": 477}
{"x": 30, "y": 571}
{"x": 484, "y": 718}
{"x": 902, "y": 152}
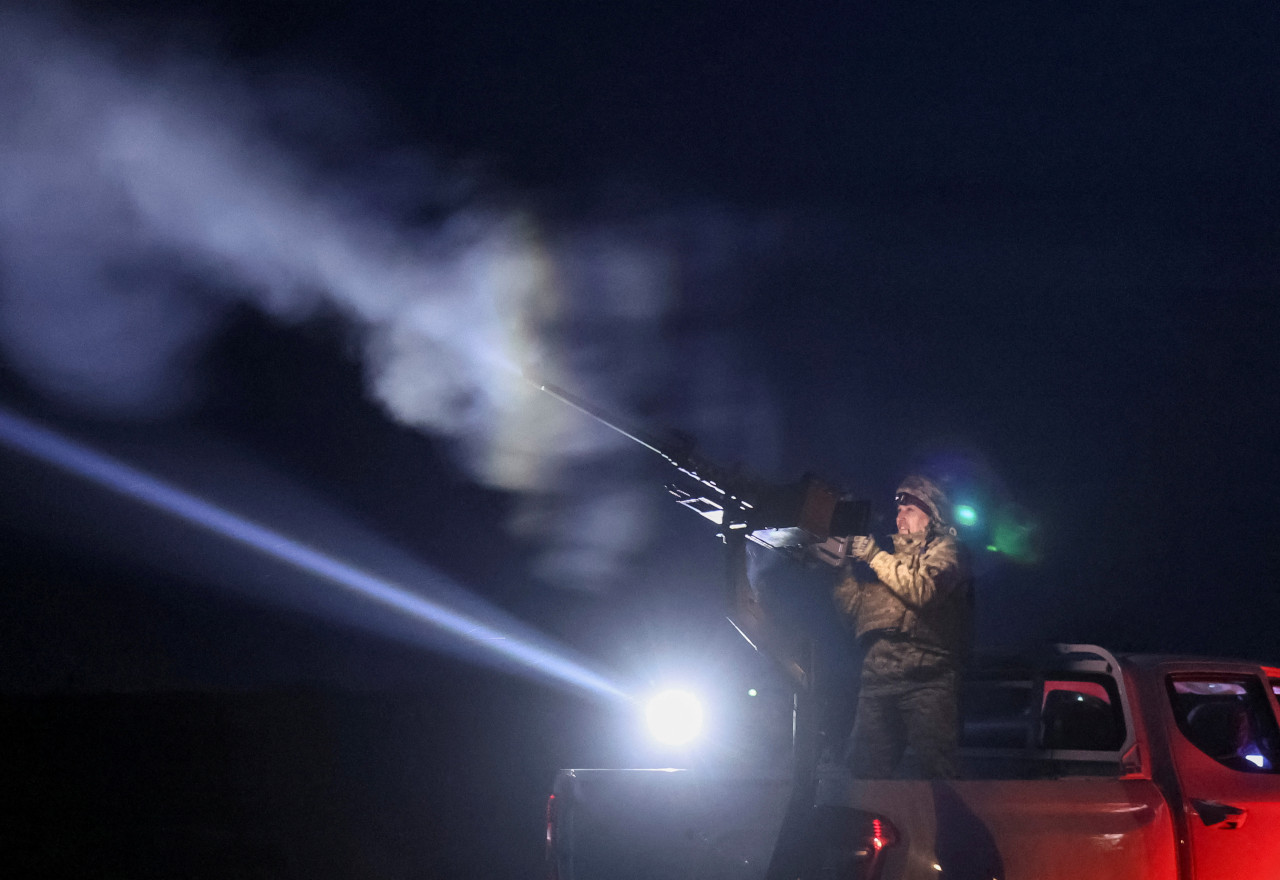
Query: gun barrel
{"x": 607, "y": 419}
{"x": 779, "y": 516}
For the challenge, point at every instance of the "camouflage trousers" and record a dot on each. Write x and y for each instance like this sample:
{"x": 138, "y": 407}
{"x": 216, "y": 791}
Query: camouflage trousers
{"x": 904, "y": 703}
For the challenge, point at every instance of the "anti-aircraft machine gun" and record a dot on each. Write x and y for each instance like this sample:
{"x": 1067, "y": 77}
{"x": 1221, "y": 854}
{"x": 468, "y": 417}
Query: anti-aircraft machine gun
{"x": 806, "y": 514}
{"x": 807, "y": 517}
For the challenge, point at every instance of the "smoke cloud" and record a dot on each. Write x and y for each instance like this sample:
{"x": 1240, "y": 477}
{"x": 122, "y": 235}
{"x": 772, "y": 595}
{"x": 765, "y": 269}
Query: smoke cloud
{"x": 142, "y": 198}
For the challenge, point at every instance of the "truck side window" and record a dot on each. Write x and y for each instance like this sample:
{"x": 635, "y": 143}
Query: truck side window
{"x": 1229, "y": 719}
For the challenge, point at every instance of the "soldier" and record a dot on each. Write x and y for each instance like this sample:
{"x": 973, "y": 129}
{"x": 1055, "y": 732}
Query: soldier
{"x": 914, "y": 621}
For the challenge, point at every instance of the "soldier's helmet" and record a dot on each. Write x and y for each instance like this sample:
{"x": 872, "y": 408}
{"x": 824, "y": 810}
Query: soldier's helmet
{"x": 927, "y": 495}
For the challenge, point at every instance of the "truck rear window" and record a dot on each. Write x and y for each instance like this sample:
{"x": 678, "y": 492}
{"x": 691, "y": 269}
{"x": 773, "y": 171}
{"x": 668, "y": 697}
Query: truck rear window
{"x": 1079, "y": 716}
{"x": 1059, "y": 714}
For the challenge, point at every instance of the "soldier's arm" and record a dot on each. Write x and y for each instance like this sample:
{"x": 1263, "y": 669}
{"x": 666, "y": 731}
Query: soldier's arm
{"x": 920, "y": 579}
{"x": 847, "y": 594}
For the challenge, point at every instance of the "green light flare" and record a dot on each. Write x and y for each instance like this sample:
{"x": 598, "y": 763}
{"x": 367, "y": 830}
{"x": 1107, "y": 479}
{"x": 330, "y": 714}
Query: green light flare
{"x": 1017, "y": 540}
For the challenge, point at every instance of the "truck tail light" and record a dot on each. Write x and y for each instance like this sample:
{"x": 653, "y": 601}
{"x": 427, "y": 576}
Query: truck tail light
{"x": 853, "y": 843}
{"x": 553, "y": 868}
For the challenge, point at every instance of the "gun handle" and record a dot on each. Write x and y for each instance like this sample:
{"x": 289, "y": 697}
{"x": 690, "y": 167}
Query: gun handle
{"x": 833, "y": 551}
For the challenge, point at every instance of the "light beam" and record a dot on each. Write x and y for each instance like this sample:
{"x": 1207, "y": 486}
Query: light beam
{"x": 54, "y": 449}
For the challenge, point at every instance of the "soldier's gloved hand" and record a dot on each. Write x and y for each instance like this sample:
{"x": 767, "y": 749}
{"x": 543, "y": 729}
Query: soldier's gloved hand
{"x": 863, "y": 547}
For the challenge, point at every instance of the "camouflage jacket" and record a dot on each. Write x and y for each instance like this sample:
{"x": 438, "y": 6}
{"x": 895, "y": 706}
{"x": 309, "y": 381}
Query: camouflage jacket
{"x": 922, "y": 596}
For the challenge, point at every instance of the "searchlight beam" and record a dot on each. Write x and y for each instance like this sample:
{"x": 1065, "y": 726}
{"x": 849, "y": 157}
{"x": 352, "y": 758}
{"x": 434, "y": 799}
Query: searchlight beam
{"x": 52, "y": 448}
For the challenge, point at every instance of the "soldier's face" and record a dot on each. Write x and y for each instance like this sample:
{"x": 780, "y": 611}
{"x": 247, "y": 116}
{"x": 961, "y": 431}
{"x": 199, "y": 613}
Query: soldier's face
{"x": 911, "y": 519}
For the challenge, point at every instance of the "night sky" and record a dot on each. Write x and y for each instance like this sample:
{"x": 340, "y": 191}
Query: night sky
{"x": 291, "y": 257}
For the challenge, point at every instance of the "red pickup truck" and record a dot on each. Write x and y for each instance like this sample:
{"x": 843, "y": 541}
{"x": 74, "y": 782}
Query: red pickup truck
{"x": 1077, "y": 763}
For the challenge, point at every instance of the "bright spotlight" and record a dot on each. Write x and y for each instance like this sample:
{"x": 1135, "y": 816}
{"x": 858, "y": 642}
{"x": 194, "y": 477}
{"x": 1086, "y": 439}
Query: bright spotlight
{"x": 966, "y": 515}
{"x": 674, "y": 717}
